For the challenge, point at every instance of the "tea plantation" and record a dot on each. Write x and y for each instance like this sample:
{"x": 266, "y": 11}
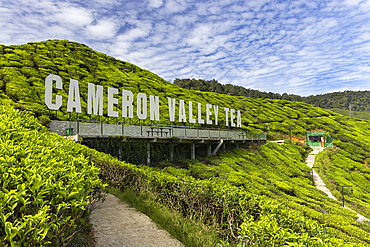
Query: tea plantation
{"x": 260, "y": 196}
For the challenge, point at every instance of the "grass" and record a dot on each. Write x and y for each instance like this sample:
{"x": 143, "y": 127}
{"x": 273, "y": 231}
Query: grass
{"x": 84, "y": 238}
{"x": 191, "y": 233}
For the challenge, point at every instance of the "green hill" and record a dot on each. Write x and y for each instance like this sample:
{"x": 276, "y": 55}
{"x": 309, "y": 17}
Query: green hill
{"x": 266, "y": 188}
{"x": 24, "y": 69}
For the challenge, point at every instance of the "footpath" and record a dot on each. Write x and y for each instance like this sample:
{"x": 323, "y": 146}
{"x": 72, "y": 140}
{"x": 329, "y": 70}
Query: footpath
{"x": 319, "y": 184}
{"x": 117, "y": 224}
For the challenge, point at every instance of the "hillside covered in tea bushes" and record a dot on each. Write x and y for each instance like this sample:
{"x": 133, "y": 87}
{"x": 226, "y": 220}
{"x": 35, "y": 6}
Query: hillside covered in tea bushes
{"x": 23, "y": 70}
{"x": 239, "y": 192}
{"x": 47, "y": 183}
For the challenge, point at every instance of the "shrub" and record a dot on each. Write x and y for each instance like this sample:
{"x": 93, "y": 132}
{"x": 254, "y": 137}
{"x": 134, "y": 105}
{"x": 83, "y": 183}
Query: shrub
{"x": 46, "y": 183}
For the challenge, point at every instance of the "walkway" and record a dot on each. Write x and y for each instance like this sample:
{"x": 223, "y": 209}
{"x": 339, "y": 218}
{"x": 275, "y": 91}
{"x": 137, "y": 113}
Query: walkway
{"x": 117, "y": 224}
{"x": 310, "y": 161}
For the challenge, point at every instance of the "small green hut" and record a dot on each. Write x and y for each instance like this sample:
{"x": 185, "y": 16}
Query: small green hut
{"x": 319, "y": 138}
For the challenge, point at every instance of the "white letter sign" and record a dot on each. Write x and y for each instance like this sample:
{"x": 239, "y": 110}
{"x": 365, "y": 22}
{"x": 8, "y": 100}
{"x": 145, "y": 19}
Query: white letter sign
{"x": 112, "y": 101}
{"x": 96, "y": 103}
{"x": 208, "y": 113}
{"x": 182, "y": 114}
{"x": 154, "y": 108}
{"x": 227, "y": 115}
{"x": 141, "y": 108}
{"x": 191, "y": 119}
{"x": 94, "y": 100}
{"x": 127, "y": 99}
{"x": 49, "y": 90}
{"x": 200, "y": 120}
{"x": 232, "y": 117}
{"x": 215, "y": 108}
{"x": 239, "y": 120}
{"x": 171, "y": 109}
{"x": 74, "y": 92}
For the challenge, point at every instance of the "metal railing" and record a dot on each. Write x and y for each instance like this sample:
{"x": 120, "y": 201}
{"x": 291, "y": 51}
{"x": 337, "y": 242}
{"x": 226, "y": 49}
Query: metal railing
{"x": 114, "y": 128}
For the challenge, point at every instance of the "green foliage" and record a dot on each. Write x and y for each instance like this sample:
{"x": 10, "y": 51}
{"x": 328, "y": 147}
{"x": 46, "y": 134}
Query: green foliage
{"x": 46, "y": 183}
{"x": 346, "y": 166}
{"x": 190, "y": 233}
{"x": 216, "y": 190}
{"x": 228, "y": 206}
{"x": 278, "y": 171}
{"x": 136, "y": 152}
{"x": 23, "y": 84}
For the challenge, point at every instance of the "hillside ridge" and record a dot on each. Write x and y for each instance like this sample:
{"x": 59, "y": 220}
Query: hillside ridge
{"x": 359, "y": 100}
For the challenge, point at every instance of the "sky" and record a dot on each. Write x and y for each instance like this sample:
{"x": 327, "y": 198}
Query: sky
{"x": 294, "y": 47}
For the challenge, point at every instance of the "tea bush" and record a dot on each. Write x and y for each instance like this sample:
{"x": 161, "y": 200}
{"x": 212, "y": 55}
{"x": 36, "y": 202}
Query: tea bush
{"x": 46, "y": 183}
{"x": 279, "y": 172}
{"x": 241, "y": 216}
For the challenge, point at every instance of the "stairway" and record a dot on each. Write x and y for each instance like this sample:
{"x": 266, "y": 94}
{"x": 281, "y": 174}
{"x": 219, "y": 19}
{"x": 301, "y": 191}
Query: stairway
{"x": 319, "y": 184}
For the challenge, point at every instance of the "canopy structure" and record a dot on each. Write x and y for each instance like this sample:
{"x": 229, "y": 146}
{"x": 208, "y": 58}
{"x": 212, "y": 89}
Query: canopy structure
{"x": 319, "y": 138}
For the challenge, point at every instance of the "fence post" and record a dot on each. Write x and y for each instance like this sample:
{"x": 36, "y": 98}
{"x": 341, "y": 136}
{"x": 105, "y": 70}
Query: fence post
{"x": 78, "y": 126}
{"x": 148, "y": 153}
{"x": 101, "y": 127}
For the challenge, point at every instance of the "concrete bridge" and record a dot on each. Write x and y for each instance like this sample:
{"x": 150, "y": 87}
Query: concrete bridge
{"x": 210, "y": 138}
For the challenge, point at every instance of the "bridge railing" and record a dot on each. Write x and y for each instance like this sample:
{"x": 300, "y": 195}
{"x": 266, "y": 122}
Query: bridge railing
{"x": 114, "y": 128}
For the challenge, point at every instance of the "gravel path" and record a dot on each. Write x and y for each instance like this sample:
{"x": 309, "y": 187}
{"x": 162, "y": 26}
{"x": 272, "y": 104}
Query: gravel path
{"x": 117, "y": 224}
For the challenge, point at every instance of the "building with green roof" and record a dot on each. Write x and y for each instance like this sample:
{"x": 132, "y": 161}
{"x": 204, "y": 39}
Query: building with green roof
{"x": 319, "y": 138}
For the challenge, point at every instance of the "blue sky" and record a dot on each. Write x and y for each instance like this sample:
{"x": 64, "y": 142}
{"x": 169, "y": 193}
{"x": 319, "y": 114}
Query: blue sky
{"x": 299, "y": 47}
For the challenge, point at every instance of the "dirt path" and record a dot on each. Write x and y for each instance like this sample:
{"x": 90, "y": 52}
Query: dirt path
{"x": 319, "y": 184}
{"x": 117, "y": 224}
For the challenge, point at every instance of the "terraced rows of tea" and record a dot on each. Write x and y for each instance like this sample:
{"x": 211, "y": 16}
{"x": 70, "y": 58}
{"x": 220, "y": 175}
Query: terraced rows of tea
{"x": 261, "y": 196}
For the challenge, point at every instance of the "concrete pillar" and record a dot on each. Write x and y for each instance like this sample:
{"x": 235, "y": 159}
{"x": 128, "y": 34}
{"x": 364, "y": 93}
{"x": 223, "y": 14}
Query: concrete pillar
{"x": 171, "y": 151}
{"x": 224, "y": 147}
{"x": 237, "y": 145}
{"x": 218, "y": 146}
{"x": 193, "y": 151}
{"x": 148, "y": 153}
{"x": 120, "y": 152}
{"x": 209, "y": 149}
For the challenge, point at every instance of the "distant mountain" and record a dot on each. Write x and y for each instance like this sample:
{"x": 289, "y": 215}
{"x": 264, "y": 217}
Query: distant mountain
{"x": 360, "y": 100}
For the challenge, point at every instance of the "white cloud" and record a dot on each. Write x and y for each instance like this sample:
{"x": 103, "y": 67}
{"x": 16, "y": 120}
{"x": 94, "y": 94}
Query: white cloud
{"x": 104, "y": 29}
{"x": 173, "y": 6}
{"x": 70, "y": 15}
{"x": 352, "y": 2}
{"x": 155, "y": 3}
{"x": 261, "y": 44}
{"x": 141, "y": 31}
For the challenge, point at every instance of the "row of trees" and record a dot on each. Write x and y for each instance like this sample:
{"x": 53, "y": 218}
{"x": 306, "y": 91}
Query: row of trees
{"x": 360, "y": 100}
